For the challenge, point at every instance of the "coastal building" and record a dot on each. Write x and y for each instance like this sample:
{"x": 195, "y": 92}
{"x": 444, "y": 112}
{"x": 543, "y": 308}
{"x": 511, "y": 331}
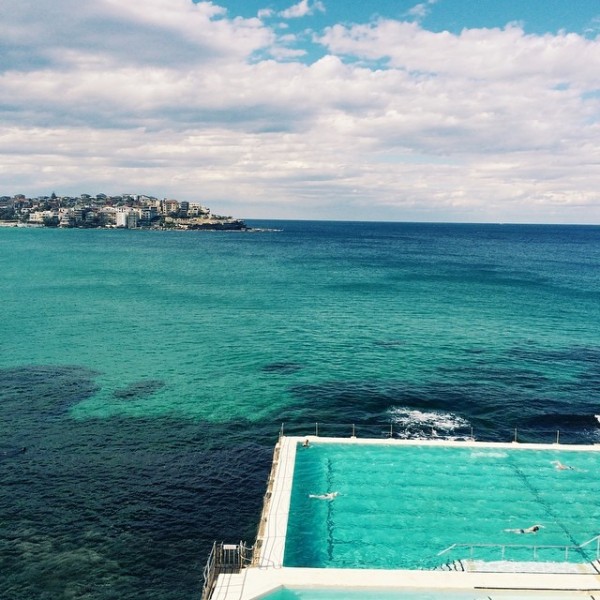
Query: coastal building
{"x": 132, "y": 220}
{"x": 170, "y": 206}
{"x": 126, "y": 217}
{"x": 36, "y": 217}
{"x": 42, "y": 217}
{"x": 64, "y": 217}
{"x": 147, "y": 214}
{"x": 196, "y": 209}
{"x": 109, "y": 215}
{"x": 78, "y": 215}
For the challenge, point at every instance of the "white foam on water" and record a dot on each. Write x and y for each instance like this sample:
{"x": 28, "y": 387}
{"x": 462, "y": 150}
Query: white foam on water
{"x": 418, "y": 424}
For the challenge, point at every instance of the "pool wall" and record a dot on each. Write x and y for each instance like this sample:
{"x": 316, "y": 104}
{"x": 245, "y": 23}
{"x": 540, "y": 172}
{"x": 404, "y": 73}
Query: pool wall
{"x": 274, "y": 520}
{"x": 256, "y": 583}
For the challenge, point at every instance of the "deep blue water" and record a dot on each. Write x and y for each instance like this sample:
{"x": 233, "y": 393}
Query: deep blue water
{"x": 144, "y": 376}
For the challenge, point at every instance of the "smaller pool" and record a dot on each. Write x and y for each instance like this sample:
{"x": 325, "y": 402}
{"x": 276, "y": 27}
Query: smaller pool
{"x": 352, "y": 594}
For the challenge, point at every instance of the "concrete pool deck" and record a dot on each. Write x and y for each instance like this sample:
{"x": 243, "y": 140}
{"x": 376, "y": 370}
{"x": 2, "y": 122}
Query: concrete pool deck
{"x": 267, "y": 574}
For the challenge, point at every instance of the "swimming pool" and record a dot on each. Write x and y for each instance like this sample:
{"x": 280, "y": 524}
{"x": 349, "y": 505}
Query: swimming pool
{"x": 435, "y": 507}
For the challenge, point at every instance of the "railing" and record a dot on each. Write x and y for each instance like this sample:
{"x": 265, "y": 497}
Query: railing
{"x": 534, "y": 548}
{"x": 224, "y": 558}
{"x": 390, "y": 429}
{"x": 366, "y": 430}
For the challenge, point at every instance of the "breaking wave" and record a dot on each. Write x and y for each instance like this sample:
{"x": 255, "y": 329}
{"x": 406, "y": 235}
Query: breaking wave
{"x": 412, "y": 423}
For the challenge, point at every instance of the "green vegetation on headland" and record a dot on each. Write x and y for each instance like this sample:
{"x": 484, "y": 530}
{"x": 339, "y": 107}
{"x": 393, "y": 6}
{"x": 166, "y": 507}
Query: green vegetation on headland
{"x": 129, "y": 211}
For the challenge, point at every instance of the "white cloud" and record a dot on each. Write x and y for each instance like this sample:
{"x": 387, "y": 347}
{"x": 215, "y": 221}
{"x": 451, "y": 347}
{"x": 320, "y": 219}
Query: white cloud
{"x": 172, "y": 100}
{"x": 486, "y": 54}
{"x": 265, "y": 13}
{"x": 421, "y": 10}
{"x": 157, "y": 32}
{"x": 593, "y": 28}
{"x": 302, "y": 9}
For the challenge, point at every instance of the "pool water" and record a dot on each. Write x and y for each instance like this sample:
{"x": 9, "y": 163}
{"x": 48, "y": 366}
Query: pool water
{"x": 401, "y": 506}
{"x": 354, "y": 594}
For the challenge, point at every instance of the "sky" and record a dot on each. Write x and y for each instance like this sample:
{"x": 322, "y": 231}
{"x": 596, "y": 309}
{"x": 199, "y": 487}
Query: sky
{"x": 379, "y": 110}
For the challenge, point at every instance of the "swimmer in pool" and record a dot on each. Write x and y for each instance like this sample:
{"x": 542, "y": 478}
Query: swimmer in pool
{"x": 560, "y": 467}
{"x": 532, "y": 529}
{"x": 329, "y": 496}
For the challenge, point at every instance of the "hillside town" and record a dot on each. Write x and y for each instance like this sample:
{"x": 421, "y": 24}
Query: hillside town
{"x": 127, "y": 211}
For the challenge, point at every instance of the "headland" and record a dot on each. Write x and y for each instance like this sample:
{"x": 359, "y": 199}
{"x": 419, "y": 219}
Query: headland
{"x": 127, "y": 211}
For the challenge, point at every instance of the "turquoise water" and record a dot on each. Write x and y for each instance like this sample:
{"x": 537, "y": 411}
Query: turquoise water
{"x": 401, "y": 506}
{"x": 353, "y": 594}
{"x": 148, "y": 373}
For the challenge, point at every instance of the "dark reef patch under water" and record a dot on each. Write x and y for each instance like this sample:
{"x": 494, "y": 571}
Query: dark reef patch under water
{"x": 282, "y": 368}
{"x": 107, "y": 508}
{"x": 41, "y": 391}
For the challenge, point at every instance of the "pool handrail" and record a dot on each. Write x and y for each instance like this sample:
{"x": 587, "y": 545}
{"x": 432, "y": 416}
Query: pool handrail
{"x": 390, "y": 429}
{"x": 534, "y": 547}
{"x": 224, "y": 558}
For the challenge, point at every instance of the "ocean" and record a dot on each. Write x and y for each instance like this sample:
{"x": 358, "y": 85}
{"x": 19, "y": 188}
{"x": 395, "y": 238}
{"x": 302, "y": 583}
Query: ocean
{"x": 145, "y": 376}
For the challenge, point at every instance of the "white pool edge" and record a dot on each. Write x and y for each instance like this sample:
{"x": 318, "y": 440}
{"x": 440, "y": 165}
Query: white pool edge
{"x": 256, "y": 583}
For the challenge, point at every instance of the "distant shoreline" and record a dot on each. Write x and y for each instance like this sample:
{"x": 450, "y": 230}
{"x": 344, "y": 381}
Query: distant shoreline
{"x": 127, "y": 211}
{"x": 237, "y": 225}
